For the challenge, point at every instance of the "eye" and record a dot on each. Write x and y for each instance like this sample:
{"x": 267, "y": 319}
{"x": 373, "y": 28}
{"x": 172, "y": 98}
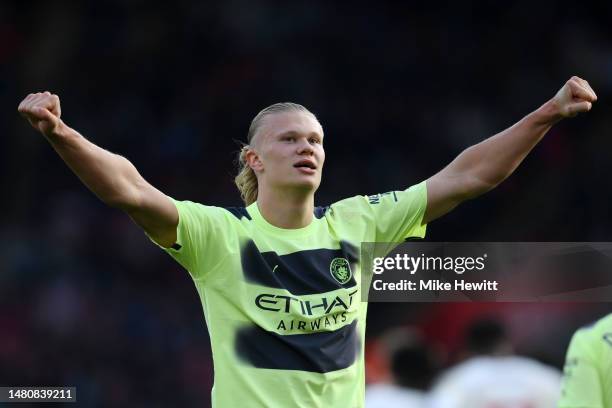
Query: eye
{"x": 315, "y": 140}
{"x": 288, "y": 138}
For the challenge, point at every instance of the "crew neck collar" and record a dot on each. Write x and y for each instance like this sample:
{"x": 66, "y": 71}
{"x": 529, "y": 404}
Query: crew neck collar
{"x": 255, "y": 214}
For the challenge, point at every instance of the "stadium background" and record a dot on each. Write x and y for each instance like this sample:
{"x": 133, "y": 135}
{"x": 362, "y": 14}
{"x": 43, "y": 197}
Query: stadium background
{"x": 400, "y": 89}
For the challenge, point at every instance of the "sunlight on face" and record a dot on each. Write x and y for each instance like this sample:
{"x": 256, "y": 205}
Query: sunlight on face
{"x": 289, "y": 151}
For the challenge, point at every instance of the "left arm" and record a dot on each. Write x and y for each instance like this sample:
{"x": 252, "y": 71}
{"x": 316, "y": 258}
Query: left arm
{"x": 482, "y": 167}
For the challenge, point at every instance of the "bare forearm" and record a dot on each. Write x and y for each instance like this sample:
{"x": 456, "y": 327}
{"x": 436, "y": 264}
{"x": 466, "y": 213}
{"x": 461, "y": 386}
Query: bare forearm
{"x": 491, "y": 161}
{"x": 109, "y": 176}
{"x": 481, "y": 167}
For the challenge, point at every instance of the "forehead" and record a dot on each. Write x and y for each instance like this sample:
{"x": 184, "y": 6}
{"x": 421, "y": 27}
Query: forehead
{"x": 299, "y": 122}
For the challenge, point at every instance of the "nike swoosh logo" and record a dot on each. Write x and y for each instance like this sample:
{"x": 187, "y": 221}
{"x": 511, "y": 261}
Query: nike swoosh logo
{"x": 274, "y": 268}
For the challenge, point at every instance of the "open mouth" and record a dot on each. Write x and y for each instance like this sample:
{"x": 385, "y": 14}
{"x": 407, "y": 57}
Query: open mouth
{"x": 306, "y": 167}
{"x": 305, "y": 164}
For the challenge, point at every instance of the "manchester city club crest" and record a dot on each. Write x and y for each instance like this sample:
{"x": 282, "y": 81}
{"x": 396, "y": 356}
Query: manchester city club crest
{"x": 340, "y": 269}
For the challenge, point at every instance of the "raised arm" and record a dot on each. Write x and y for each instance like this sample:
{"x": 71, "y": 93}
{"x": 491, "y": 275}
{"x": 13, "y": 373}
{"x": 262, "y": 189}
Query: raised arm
{"x": 109, "y": 176}
{"x": 482, "y": 167}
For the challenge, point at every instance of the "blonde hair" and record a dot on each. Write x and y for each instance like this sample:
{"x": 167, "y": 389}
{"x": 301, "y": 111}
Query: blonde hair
{"x": 246, "y": 179}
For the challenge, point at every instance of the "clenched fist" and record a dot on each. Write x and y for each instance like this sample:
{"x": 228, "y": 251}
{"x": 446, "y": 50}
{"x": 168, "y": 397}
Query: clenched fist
{"x": 43, "y": 111}
{"x": 574, "y": 97}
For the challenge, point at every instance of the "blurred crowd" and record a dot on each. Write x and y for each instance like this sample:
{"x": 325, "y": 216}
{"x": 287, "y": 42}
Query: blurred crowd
{"x": 486, "y": 372}
{"x": 400, "y": 88}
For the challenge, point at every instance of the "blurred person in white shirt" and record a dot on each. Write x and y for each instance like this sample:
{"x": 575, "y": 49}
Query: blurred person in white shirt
{"x": 495, "y": 378}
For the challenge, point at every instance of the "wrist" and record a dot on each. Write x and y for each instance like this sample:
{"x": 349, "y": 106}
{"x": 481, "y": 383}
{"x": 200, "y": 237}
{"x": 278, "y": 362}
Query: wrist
{"x": 61, "y": 132}
{"x": 548, "y": 114}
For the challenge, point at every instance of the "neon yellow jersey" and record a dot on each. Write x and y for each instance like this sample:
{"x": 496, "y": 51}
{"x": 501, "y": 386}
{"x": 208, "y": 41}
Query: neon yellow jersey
{"x": 283, "y": 306}
{"x": 587, "y": 375}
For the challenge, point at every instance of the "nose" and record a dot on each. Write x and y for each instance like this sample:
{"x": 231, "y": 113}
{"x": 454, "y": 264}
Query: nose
{"x": 305, "y": 148}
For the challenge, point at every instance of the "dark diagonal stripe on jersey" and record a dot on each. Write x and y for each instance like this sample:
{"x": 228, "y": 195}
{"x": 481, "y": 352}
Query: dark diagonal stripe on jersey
{"x": 239, "y": 212}
{"x": 319, "y": 352}
{"x": 319, "y": 212}
{"x": 301, "y": 273}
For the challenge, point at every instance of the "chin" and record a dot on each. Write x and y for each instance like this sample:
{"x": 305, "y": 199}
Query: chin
{"x": 304, "y": 185}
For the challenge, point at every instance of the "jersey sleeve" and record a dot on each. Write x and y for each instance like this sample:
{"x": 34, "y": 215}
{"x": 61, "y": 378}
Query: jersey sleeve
{"x": 581, "y": 386}
{"x": 386, "y": 217}
{"x": 202, "y": 239}
{"x": 398, "y": 214}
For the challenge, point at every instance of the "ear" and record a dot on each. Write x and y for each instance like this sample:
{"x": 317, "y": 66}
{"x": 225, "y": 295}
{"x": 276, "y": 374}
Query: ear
{"x": 254, "y": 161}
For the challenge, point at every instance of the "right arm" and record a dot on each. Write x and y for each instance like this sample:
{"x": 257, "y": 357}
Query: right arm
{"x": 111, "y": 177}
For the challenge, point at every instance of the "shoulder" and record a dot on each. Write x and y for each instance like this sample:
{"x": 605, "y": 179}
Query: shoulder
{"x": 193, "y": 214}
{"x": 360, "y": 204}
{"x": 346, "y": 207}
{"x": 594, "y": 337}
{"x": 238, "y": 213}
{"x": 352, "y": 212}
{"x": 604, "y": 324}
{"x": 196, "y": 208}
{"x": 594, "y": 330}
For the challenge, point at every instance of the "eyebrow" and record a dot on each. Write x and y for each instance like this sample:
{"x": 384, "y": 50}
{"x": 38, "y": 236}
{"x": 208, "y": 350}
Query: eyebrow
{"x": 296, "y": 133}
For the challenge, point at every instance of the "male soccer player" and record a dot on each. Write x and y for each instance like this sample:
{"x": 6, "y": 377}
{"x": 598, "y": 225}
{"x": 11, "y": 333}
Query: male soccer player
{"x": 587, "y": 375}
{"x": 278, "y": 278}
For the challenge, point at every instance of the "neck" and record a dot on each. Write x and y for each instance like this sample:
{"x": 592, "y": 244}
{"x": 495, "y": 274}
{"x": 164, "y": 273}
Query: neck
{"x": 286, "y": 209}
